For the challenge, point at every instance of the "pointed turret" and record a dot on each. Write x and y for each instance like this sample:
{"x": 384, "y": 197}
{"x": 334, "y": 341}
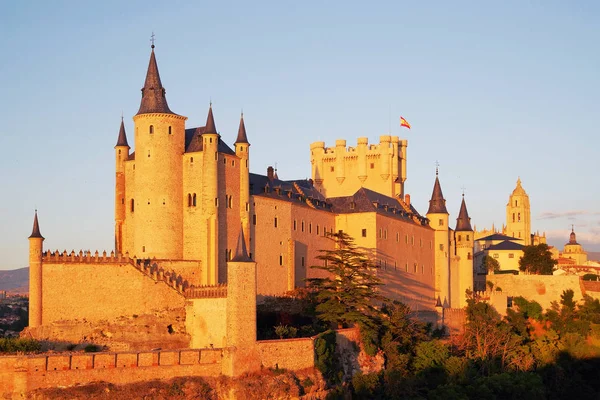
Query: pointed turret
{"x": 437, "y": 204}
{"x": 210, "y": 122}
{"x": 35, "y": 233}
{"x": 241, "y": 137}
{"x": 153, "y": 92}
{"x": 463, "y": 222}
{"x": 241, "y": 254}
{"x": 122, "y": 140}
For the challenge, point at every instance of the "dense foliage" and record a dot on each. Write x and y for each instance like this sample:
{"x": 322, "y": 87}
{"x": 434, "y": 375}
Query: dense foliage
{"x": 528, "y": 354}
{"x": 490, "y": 264}
{"x": 537, "y": 259}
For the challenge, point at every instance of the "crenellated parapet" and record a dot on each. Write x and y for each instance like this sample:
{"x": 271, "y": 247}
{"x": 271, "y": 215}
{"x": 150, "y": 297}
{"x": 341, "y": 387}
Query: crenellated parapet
{"x": 341, "y": 170}
{"x": 84, "y": 257}
{"x": 206, "y": 292}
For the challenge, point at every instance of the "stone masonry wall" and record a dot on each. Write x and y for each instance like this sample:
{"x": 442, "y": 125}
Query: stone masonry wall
{"x": 101, "y": 291}
{"x": 22, "y": 374}
{"x": 541, "y": 288}
{"x": 294, "y": 354}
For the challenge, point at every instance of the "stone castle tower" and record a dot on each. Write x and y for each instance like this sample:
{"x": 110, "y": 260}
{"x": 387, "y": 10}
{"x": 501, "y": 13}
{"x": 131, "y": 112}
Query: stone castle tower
{"x": 453, "y": 250}
{"x": 36, "y": 247}
{"x": 518, "y": 215}
{"x": 462, "y": 271}
{"x": 180, "y": 191}
{"x": 341, "y": 171}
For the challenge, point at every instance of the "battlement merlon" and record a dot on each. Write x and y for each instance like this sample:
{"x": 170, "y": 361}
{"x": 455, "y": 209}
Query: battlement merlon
{"x": 385, "y": 142}
{"x": 341, "y": 170}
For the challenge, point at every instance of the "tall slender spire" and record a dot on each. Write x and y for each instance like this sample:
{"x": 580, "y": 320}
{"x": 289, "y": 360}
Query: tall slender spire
{"x": 241, "y": 137}
{"x": 35, "y": 233}
{"x": 210, "y": 122}
{"x": 153, "y": 92}
{"x": 241, "y": 254}
{"x": 437, "y": 204}
{"x": 122, "y": 140}
{"x": 463, "y": 222}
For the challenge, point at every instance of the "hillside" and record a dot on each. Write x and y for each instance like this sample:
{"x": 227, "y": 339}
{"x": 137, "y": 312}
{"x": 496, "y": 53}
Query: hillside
{"x": 15, "y": 280}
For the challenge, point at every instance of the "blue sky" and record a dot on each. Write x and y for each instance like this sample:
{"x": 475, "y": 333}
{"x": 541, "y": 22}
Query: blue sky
{"x": 493, "y": 90}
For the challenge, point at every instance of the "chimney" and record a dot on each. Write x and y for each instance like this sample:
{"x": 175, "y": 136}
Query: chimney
{"x": 270, "y": 173}
{"x": 407, "y": 199}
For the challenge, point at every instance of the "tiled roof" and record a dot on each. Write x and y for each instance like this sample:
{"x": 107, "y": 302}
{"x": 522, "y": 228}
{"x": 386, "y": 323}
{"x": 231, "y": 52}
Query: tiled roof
{"x": 194, "y": 142}
{"x": 498, "y": 236}
{"x": 437, "y": 204}
{"x": 506, "y": 245}
{"x": 298, "y": 191}
{"x": 463, "y": 222}
{"x": 122, "y": 140}
{"x": 153, "y": 92}
{"x": 241, "y": 137}
{"x": 35, "y": 232}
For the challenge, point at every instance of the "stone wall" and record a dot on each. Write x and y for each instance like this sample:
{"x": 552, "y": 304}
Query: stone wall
{"x": 541, "y": 288}
{"x": 21, "y": 374}
{"x": 206, "y": 322}
{"x": 102, "y": 291}
{"x": 293, "y": 354}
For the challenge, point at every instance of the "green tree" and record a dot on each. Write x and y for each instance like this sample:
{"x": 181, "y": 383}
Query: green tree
{"x": 347, "y": 295}
{"x": 537, "y": 259}
{"x": 490, "y": 264}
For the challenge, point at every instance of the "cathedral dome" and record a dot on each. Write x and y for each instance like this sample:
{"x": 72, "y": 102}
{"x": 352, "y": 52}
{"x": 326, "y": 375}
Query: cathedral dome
{"x": 573, "y": 237}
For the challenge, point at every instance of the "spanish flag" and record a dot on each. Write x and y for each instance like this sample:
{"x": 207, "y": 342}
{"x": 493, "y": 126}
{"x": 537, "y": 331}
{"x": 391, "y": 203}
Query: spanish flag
{"x": 404, "y": 123}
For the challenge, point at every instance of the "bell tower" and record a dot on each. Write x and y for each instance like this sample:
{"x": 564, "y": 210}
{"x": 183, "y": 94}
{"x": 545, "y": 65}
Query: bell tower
{"x": 518, "y": 215}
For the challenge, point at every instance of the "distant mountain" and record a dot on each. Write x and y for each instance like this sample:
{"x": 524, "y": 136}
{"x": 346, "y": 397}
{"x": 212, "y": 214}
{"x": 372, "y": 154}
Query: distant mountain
{"x": 15, "y": 280}
{"x": 594, "y": 255}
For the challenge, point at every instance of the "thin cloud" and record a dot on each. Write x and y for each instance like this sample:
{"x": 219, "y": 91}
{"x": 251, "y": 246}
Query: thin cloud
{"x": 563, "y": 214}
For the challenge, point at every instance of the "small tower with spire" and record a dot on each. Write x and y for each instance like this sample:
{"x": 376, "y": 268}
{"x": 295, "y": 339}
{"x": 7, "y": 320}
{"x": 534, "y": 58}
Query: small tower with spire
{"x": 36, "y": 247}
{"x": 210, "y": 200}
{"x": 155, "y": 198}
{"x": 242, "y": 150}
{"x": 461, "y": 278}
{"x": 121, "y": 155}
{"x": 438, "y": 221}
{"x": 241, "y": 312}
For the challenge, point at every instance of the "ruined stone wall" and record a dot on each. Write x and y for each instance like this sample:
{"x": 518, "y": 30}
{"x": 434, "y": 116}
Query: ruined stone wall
{"x": 101, "y": 291}
{"x": 541, "y": 288}
{"x": 21, "y": 374}
{"x": 294, "y": 354}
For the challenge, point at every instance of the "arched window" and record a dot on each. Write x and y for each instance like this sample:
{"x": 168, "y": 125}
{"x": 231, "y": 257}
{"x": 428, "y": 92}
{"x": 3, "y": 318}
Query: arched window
{"x": 516, "y": 203}
{"x": 189, "y": 200}
{"x": 194, "y": 200}
{"x": 151, "y": 129}
{"x": 132, "y": 205}
{"x": 519, "y": 217}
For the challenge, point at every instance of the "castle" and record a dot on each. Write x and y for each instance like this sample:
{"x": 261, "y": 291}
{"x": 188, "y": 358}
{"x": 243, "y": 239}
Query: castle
{"x": 192, "y": 224}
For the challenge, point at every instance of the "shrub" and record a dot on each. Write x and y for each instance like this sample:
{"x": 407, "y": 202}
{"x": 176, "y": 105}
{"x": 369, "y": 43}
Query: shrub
{"x": 91, "y": 348}
{"x": 325, "y": 359}
{"x": 13, "y": 345}
{"x": 591, "y": 277}
{"x": 366, "y": 386}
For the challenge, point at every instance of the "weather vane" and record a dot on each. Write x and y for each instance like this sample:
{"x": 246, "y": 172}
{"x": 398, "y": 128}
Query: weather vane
{"x": 152, "y": 39}
{"x": 437, "y": 165}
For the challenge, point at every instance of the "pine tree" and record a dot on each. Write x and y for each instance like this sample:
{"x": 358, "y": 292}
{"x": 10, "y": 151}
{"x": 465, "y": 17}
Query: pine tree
{"x": 348, "y": 294}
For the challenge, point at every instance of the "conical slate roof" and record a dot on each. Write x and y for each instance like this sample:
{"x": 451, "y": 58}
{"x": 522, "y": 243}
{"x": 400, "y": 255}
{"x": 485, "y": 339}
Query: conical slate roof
{"x": 463, "y": 222}
{"x": 35, "y": 233}
{"x": 241, "y": 137}
{"x": 153, "y": 92}
{"x": 437, "y": 204}
{"x": 122, "y": 140}
{"x": 241, "y": 254}
{"x": 210, "y": 122}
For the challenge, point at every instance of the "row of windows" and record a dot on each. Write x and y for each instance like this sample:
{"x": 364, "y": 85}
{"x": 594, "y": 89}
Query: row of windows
{"x": 151, "y": 129}
{"x": 192, "y": 201}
